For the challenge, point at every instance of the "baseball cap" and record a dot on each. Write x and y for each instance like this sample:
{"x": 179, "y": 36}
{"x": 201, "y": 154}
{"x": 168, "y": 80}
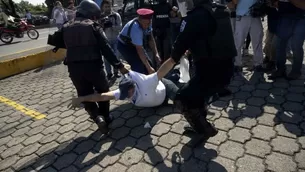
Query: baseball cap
{"x": 124, "y": 86}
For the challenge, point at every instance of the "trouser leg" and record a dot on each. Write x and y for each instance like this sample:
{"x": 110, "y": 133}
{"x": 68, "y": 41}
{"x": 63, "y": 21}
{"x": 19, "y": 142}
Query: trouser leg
{"x": 257, "y": 34}
{"x": 171, "y": 88}
{"x": 297, "y": 41}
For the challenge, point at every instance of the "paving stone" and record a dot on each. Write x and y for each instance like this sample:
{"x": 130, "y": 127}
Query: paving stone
{"x": 140, "y": 167}
{"x": 49, "y": 138}
{"x": 134, "y": 122}
{"x": 178, "y": 127}
{"x": 279, "y": 162}
{"x": 224, "y": 124}
{"x": 131, "y": 157}
{"x": 25, "y": 162}
{"x": 104, "y": 145}
{"x": 86, "y": 159}
{"x": 146, "y": 112}
{"x": 125, "y": 143}
{"x": 267, "y": 119}
{"x": 81, "y": 118}
{"x": 155, "y": 155}
{"x": 21, "y": 131}
{"x": 66, "y": 136}
{"x": 219, "y": 138}
{"x": 120, "y": 133}
{"x": 290, "y": 117}
{"x": 239, "y": 134}
{"x": 242, "y": 95}
{"x": 129, "y": 114}
{"x": 245, "y": 122}
{"x": 294, "y": 97}
{"x": 65, "y": 147}
{"x": 273, "y": 99}
{"x": 93, "y": 168}
{"x": 278, "y": 91}
{"x": 45, "y": 161}
{"x": 65, "y": 161}
{"x": 193, "y": 165}
{"x": 5, "y": 140}
{"x": 30, "y": 149}
{"x": 47, "y": 148}
{"x": 16, "y": 140}
{"x": 179, "y": 154}
{"x": 258, "y": 148}
{"x": 301, "y": 140}
{"x": 32, "y": 139}
{"x": 295, "y": 89}
{"x": 236, "y": 83}
{"x": 66, "y": 113}
{"x": 284, "y": 145}
{"x": 160, "y": 129}
{"x": 300, "y": 157}
{"x": 250, "y": 163}
{"x": 264, "y": 86}
{"x": 71, "y": 168}
{"x": 164, "y": 110}
{"x": 260, "y": 93}
{"x": 272, "y": 109}
{"x": 231, "y": 150}
{"x": 24, "y": 123}
{"x": 288, "y": 130}
{"x": 117, "y": 123}
{"x": 214, "y": 114}
{"x": 167, "y": 166}
{"x": 293, "y": 106}
{"x": 139, "y": 131}
{"x": 255, "y": 101}
{"x": 146, "y": 142}
{"x": 115, "y": 168}
{"x": 171, "y": 118}
{"x": 66, "y": 128}
{"x": 111, "y": 158}
{"x": 231, "y": 113}
{"x": 35, "y": 130}
{"x": 84, "y": 135}
{"x": 84, "y": 146}
{"x": 11, "y": 151}
{"x": 221, "y": 164}
{"x": 263, "y": 132}
{"x": 51, "y": 122}
{"x": 66, "y": 120}
{"x": 2, "y": 148}
{"x": 13, "y": 118}
{"x": 169, "y": 140}
{"x": 8, "y": 162}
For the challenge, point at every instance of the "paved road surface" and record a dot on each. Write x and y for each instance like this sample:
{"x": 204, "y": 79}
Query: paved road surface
{"x": 25, "y": 43}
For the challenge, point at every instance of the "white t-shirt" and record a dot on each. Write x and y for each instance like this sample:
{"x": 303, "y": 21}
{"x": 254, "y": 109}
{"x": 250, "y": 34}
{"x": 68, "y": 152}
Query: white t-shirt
{"x": 149, "y": 90}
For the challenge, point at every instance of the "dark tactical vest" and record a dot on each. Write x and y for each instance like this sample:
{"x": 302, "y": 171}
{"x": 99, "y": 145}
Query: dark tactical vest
{"x": 161, "y": 16}
{"x": 81, "y": 42}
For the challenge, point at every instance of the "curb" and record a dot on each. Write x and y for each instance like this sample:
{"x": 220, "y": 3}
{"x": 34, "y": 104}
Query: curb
{"x": 29, "y": 62}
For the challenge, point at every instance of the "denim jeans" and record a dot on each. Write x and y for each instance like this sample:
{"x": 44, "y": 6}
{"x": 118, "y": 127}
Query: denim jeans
{"x": 171, "y": 88}
{"x": 108, "y": 67}
{"x": 290, "y": 28}
{"x": 130, "y": 54}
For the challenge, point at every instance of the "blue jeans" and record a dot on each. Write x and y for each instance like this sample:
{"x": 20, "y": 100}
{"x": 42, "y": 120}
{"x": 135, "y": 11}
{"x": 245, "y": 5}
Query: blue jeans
{"x": 130, "y": 54}
{"x": 290, "y": 28}
{"x": 108, "y": 67}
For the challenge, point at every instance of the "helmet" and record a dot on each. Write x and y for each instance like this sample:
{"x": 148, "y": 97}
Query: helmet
{"x": 188, "y": 5}
{"x": 89, "y": 9}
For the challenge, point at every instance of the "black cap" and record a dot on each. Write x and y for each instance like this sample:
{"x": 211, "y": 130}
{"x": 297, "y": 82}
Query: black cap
{"x": 125, "y": 85}
{"x": 88, "y": 9}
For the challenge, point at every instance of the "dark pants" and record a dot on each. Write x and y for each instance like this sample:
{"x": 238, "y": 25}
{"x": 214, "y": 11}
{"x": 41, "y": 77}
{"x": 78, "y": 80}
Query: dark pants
{"x": 171, "y": 89}
{"x": 248, "y": 41}
{"x": 130, "y": 54}
{"x": 163, "y": 43}
{"x": 87, "y": 78}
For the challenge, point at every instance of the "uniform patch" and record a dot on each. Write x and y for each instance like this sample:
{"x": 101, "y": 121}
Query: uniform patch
{"x": 182, "y": 26}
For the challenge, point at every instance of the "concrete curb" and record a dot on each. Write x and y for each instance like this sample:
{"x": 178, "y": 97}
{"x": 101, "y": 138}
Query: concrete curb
{"x": 29, "y": 62}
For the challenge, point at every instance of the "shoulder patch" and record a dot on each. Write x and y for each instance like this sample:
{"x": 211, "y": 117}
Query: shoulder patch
{"x": 182, "y": 26}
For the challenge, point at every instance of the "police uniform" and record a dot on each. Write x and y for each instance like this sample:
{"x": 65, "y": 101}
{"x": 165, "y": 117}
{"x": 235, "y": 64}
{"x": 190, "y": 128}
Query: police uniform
{"x": 161, "y": 26}
{"x": 86, "y": 43}
{"x": 212, "y": 72}
{"x": 132, "y": 34}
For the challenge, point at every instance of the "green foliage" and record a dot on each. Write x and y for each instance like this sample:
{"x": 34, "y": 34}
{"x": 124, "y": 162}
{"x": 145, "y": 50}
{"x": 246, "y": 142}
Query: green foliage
{"x": 34, "y": 9}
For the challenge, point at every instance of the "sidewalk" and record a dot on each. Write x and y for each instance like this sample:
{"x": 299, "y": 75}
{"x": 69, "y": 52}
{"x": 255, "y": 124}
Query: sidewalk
{"x": 261, "y": 128}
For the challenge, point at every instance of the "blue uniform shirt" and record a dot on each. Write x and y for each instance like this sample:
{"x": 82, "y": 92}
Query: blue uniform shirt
{"x": 136, "y": 33}
{"x": 98, "y": 2}
{"x": 243, "y": 6}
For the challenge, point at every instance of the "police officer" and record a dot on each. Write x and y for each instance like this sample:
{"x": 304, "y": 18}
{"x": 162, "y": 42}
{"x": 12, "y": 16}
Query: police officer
{"x": 161, "y": 26}
{"x": 86, "y": 43}
{"x": 213, "y": 65}
{"x": 133, "y": 40}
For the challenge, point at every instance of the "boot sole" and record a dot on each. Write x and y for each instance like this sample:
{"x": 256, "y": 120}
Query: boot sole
{"x": 103, "y": 127}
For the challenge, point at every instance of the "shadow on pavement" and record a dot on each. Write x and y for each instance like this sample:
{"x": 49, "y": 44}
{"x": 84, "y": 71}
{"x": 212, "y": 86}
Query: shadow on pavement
{"x": 10, "y": 43}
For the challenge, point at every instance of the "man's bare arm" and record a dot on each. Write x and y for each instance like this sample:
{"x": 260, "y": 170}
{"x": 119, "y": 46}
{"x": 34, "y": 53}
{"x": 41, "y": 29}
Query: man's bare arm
{"x": 141, "y": 53}
{"x": 165, "y": 68}
{"x": 299, "y": 3}
{"x": 152, "y": 44}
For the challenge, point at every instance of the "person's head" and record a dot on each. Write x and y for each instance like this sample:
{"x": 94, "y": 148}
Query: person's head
{"x": 106, "y": 6}
{"x": 70, "y": 4}
{"x": 127, "y": 88}
{"x": 145, "y": 17}
{"x": 58, "y": 4}
{"x": 88, "y": 9}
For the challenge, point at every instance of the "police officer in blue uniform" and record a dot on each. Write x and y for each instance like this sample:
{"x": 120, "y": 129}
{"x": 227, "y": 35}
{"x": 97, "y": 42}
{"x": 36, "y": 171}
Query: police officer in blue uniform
{"x": 135, "y": 38}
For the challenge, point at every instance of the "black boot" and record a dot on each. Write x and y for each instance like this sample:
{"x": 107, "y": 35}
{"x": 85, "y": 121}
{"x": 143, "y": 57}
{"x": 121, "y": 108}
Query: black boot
{"x": 102, "y": 124}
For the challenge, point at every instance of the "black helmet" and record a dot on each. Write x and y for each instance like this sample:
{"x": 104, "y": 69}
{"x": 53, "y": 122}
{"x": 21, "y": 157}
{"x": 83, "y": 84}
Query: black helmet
{"x": 89, "y": 9}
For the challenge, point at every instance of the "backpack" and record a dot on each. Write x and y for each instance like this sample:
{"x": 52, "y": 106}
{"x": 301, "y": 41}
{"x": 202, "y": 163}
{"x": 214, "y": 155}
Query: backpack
{"x": 221, "y": 44}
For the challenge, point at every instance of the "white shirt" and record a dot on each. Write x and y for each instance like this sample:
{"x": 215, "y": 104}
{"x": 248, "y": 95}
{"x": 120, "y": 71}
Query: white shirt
{"x": 149, "y": 90}
{"x": 59, "y": 16}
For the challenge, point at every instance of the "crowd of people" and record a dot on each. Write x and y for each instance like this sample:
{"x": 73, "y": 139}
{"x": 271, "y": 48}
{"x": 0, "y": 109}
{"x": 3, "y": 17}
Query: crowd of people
{"x": 145, "y": 41}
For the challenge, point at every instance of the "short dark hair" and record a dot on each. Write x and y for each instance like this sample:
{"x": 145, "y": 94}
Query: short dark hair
{"x": 108, "y": 2}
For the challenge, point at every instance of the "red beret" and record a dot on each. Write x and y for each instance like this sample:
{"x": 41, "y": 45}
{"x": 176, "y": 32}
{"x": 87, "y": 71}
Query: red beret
{"x": 145, "y": 13}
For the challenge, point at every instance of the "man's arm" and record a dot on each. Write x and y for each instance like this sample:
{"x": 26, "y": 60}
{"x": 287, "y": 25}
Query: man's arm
{"x": 299, "y": 3}
{"x": 152, "y": 44}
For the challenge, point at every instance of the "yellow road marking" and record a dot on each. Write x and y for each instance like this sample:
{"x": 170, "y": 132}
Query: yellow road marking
{"x": 29, "y": 112}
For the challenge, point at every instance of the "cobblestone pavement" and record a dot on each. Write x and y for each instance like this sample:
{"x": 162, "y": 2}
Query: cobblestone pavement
{"x": 261, "y": 127}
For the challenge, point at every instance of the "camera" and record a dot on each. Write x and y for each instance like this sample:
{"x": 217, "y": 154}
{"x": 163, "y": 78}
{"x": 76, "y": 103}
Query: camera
{"x": 106, "y": 21}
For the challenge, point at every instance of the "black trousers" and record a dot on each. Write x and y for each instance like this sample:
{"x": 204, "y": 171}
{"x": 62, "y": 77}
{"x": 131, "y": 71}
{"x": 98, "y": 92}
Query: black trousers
{"x": 90, "y": 77}
{"x": 162, "y": 38}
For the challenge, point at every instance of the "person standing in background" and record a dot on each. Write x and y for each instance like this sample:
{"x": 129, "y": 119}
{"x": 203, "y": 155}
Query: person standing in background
{"x": 59, "y": 15}
{"x": 3, "y": 18}
{"x": 112, "y": 24}
{"x": 70, "y": 11}
{"x": 28, "y": 17}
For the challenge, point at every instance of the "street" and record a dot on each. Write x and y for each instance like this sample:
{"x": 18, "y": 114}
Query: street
{"x": 24, "y": 44}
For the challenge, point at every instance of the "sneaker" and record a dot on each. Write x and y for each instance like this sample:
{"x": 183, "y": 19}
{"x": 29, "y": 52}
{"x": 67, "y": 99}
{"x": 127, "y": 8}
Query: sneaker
{"x": 294, "y": 75}
{"x": 102, "y": 124}
{"x": 278, "y": 74}
{"x": 109, "y": 76}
